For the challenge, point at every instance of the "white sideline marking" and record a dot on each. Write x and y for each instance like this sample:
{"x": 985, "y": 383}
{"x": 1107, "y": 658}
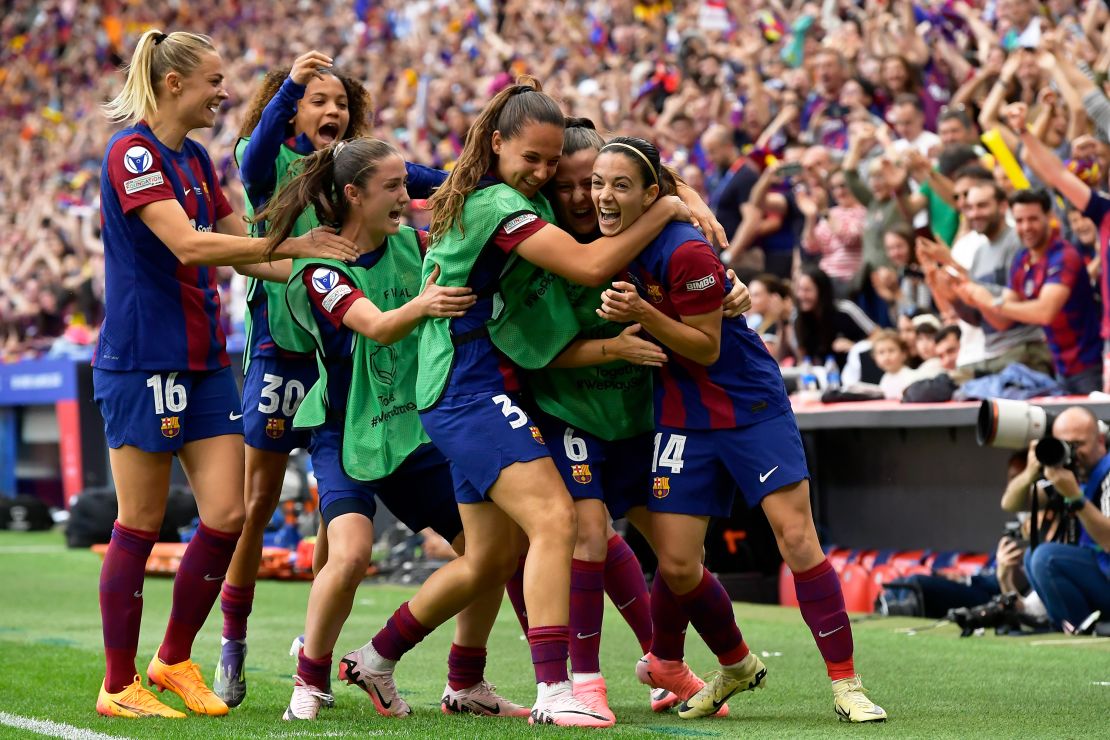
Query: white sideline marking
{"x": 1071, "y": 641}
{"x": 29, "y": 549}
{"x": 51, "y": 729}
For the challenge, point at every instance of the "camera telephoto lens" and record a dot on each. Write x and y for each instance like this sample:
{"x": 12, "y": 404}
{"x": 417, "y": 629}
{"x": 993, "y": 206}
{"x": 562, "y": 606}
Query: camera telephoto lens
{"x": 1053, "y": 453}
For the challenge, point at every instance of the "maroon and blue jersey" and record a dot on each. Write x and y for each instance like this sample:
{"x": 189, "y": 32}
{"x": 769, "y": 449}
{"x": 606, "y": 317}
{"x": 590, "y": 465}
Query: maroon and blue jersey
{"x": 1098, "y": 210}
{"x": 680, "y": 275}
{"x": 1073, "y": 335}
{"x": 158, "y": 313}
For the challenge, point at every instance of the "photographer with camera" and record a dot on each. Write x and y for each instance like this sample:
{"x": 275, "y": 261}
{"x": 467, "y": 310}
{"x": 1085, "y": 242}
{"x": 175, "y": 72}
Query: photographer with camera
{"x": 1073, "y": 580}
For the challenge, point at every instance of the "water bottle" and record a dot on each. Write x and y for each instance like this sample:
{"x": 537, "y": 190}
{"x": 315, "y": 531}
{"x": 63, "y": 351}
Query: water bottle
{"x": 808, "y": 377}
{"x": 832, "y": 373}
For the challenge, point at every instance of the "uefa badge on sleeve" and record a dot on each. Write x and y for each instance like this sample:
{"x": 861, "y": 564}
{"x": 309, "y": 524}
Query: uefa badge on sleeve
{"x": 581, "y": 474}
{"x": 275, "y": 427}
{"x": 661, "y": 486}
{"x": 171, "y": 426}
{"x": 536, "y": 434}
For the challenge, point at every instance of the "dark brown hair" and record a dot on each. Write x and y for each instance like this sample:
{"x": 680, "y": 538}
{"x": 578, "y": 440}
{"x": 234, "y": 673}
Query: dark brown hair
{"x": 649, "y": 164}
{"x": 360, "y": 105}
{"x": 508, "y": 112}
{"x": 320, "y": 180}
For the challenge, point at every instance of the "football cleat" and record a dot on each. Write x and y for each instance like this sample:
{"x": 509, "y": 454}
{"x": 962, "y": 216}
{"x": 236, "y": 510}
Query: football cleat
{"x": 134, "y": 701}
{"x": 595, "y": 695}
{"x": 305, "y": 702}
{"x": 184, "y": 679}
{"x": 378, "y": 685}
{"x": 230, "y": 683}
{"x": 481, "y": 699}
{"x": 851, "y": 703}
{"x": 672, "y": 681}
{"x": 559, "y": 706}
{"x": 295, "y": 650}
{"x": 748, "y": 674}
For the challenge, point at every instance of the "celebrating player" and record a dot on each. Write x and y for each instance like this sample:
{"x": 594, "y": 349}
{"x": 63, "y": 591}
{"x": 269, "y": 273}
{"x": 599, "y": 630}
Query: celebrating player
{"x": 296, "y": 111}
{"x": 161, "y": 373}
{"x": 368, "y": 351}
{"x": 505, "y": 476}
{"x": 722, "y": 420}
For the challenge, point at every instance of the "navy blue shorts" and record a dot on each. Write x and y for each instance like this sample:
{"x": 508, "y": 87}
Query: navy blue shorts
{"x": 697, "y": 471}
{"x": 273, "y": 389}
{"x": 163, "y": 411}
{"x": 481, "y": 435}
{"x": 616, "y": 472}
{"x": 419, "y": 493}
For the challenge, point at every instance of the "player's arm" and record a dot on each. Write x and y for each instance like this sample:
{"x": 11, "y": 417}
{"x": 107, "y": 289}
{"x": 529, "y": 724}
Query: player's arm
{"x": 627, "y": 346}
{"x": 275, "y": 272}
{"x": 168, "y": 221}
{"x": 387, "y": 327}
{"x": 592, "y": 264}
{"x": 697, "y": 337}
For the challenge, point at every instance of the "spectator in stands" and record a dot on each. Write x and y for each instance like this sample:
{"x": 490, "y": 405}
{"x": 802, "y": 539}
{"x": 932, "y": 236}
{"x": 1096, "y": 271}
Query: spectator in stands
{"x": 908, "y": 119}
{"x": 822, "y": 116}
{"x": 769, "y": 227}
{"x": 731, "y": 177}
{"x": 901, "y": 285}
{"x": 947, "y": 347}
{"x": 890, "y": 354}
{"x": 1048, "y": 286}
{"x": 1073, "y": 579}
{"x": 825, "y": 325}
{"x": 985, "y": 208}
{"x": 836, "y": 234}
{"x": 770, "y": 314}
{"x": 955, "y": 128}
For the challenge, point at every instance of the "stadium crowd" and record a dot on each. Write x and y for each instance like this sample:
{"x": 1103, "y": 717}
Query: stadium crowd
{"x": 838, "y": 142}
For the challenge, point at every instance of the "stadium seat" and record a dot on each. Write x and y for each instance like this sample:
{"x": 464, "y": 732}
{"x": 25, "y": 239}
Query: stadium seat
{"x": 856, "y": 583}
{"x": 787, "y": 596}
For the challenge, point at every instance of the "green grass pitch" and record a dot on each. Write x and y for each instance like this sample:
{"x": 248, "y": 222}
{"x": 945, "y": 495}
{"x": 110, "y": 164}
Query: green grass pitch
{"x": 933, "y": 684}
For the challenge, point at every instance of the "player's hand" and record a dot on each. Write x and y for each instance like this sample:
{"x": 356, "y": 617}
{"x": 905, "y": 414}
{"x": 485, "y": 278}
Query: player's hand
{"x": 631, "y": 348}
{"x": 438, "y": 301}
{"x": 679, "y": 210}
{"x": 706, "y": 222}
{"x": 320, "y": 242}
{"x": 738, "y": 300}
{"x": 622, "y": 304}
{"x": 307, "y": 66}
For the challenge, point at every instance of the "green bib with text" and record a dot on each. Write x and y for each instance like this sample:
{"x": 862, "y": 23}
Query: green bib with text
{"x": 380, "y": 424}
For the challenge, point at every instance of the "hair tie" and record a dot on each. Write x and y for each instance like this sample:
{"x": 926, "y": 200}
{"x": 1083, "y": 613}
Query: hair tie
{"x": 337, "y": 149}
{"x": 640, "y": 154}
{"x": 160, "y": 38}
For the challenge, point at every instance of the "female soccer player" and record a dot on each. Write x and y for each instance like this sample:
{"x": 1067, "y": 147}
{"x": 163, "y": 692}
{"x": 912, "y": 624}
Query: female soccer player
{"x": 296, "y": 111}
{"x": 464, "y": 382}
{"x": 367, "y": 440}
{"x": 722, "y": 420}
{"x": 595, "y": 404}
{"x": 161, "y": 375}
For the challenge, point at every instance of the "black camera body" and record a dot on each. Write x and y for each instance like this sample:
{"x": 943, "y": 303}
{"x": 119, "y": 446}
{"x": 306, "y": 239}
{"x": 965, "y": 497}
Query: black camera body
{"x": 1056, "y": 453}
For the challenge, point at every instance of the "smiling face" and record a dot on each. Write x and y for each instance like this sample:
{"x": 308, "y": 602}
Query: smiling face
{"x": 618, "y": 192}
{"x": 1031, "y": 225}
{"x": 574, "y": 208}
{"x": 200, "y": 94}
{"x": 322, "y": 113}
{"x": 805, "y": 292}
{"x": 529, "y": 159}
{"x": 897, "y": 250}
{"x": 379, "y": 205}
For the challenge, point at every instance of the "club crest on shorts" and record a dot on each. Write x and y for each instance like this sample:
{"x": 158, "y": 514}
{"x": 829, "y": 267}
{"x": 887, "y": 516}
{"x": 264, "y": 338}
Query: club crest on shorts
{"x": 655, "y": 292}
{"x": 536, "y": 434}
{"x": 275, "y": 427}
{"x": 171, "y": 426}
{"x": 661, "y": 486}
{"x": 581, "y": 473}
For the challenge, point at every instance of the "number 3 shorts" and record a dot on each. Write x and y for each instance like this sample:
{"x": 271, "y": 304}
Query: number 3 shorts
{"x": 163, "y": 411}
{"x": 480, "y": 435}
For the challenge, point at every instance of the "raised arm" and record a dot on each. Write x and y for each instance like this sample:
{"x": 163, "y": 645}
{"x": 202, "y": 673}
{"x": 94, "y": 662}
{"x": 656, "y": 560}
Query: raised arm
{"x": 592, "y": 264}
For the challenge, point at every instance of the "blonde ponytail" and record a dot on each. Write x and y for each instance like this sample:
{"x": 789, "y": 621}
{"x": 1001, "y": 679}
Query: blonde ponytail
{"x": 155, "y": 55}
